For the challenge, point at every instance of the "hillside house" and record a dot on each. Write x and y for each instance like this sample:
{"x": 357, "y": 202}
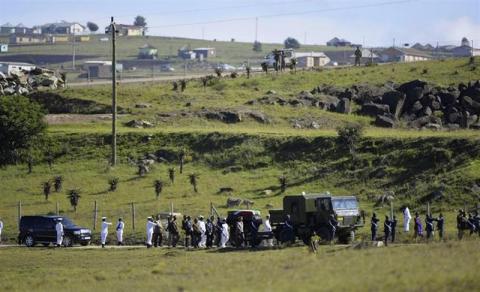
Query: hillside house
{"x": 8, "y": 28}
{"x": 338, "y": 42}
{"x": 186, "y": 54}
{"x": 403, "y": 55}
{"x": 8, "y": 68}
{"x": 82, "y": 38}
{"x": 28, "y": 39}
{"x": 129, "y": 30}
{"x": 311, "y": 59}
{"x": 147, "y": 52}
{"x": 54, "y": 39}
{"x": 3, "y": 48}
{"x": 63, "y": 27}
{"x": 205, "y": 53}
{"x": 100, "y": 69}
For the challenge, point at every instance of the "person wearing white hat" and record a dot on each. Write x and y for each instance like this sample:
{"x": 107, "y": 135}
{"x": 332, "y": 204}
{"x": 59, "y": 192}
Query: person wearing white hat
{"x": 59, "y": 230}
{"x": 203, "y": 230}
{"x": 225, "y": 234}
{"x": 120, "y": 227}
{"x": 104, "y": 231}
{"x": 406, "y": 219}
{"x": 150, "y": 226}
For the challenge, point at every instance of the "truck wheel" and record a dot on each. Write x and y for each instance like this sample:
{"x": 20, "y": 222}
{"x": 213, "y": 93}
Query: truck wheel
{"x": 347, "y": 238}
{"x": 29, "y": 240}
{"x": 67, "y": 241}
{"x": 85, "y": 243}
{"x": 306, "y": 240}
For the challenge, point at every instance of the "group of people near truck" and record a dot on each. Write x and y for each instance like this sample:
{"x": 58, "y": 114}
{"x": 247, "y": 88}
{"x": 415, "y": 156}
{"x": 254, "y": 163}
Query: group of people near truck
{"x": 427, "y": 231}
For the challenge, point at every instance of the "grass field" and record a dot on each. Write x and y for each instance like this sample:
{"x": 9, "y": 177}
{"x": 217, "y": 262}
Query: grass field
{"x": 450, "y": 266}
{"x": 234, "y": 53}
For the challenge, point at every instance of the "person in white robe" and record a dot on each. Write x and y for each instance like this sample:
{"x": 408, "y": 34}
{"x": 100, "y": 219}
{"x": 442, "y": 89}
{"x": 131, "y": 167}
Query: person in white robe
{"x": 120, "y": 227}
{"x": 203, "y": 230}
{"x": 59, "y": 230}
{"x": 149, "y": 229}
{"x": 406, "y": 219}
{"x": 104, "y": 232}
{"x": 225, "y": 234}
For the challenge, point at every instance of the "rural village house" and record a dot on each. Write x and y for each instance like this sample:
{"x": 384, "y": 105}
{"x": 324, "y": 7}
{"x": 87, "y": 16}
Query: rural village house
{"x": 404, "y": 55}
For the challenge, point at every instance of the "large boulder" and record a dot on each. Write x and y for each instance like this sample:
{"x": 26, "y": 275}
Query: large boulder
{"x": 344, "y": 106}
{"x": 395, "y": 100}
{"x": 423, "y": 121}
{"x": 375, "y": 109}
{"x": 139, "y": 124}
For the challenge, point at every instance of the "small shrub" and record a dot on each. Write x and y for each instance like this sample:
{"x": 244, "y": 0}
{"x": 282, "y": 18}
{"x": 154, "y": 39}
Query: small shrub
{"x": 113, "y": 182}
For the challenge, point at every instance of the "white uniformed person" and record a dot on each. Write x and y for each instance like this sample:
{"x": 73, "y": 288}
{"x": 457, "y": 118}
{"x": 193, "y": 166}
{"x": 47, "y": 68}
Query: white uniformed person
{"x": 59, "y": 230}
{"x": 1, "y": 228}
{"x": 406, "y": 219}
{"x": 203, "y": 230}
{"x": 120, "y": 227}
{"x": 150, "y": 225}
{"x": 225, "y": 234}
{"x": 104, "y": 232}
{"x": 267, "y": 227}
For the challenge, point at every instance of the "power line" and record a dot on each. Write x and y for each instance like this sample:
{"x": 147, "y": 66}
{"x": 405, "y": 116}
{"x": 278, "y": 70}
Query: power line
{"x": 287, "y": 14}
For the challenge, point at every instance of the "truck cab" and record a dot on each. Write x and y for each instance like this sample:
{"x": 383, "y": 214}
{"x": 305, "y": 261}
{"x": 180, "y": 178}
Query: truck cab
{"x": 269, "y": 59}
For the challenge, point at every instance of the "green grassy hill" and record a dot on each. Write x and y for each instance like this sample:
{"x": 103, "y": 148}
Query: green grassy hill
{"x": 248, "y": 156}
{"x": 234, "y": 53}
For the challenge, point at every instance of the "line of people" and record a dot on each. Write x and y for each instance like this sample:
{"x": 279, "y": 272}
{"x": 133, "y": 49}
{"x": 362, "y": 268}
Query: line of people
{"x": 471, "y": 223}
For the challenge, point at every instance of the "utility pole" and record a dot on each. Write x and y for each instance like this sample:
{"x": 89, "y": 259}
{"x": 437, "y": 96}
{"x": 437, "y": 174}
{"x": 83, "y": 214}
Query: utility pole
{"x": 73, "y": 50}
{"x": 114, "y": 94}
{"x": 305, "y": 38}
{"x": 256, "y": 29}
{"x": 203, "y": 33}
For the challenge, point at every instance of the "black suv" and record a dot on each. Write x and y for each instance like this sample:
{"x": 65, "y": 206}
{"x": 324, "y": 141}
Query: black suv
{"x": 41, "y": 229}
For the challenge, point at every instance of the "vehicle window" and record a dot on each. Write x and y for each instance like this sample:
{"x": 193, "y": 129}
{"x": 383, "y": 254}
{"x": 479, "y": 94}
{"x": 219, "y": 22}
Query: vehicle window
{"x": 44, "y": 223}
{"x": 67, "y": 222}
{"x": 345, "y": 204}
{"x": 324, "y": 204}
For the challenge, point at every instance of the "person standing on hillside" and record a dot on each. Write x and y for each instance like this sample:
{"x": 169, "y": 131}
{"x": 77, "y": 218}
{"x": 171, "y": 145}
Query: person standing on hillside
{"x": 203, "y": 232}
{"x": 387, "y": 229}
{"x": 461, "y": 223}
{"x": 374, "y": 226}
{"x": 394, "y": 228}
{"x": 120, "y": 227}
{"x": 471, "y": 224}
{"x": 358, "y": 56}
{"x": 440, "y": 225}
{"x": 225, "y": 234}
{"x": 157, "y": 233}
{"x": 187, "y": 228}
{"x": 254, "y": 232}
{"x": 418, "y": 226}
{"x": 1, "y": 228}
{"x": 267, "y": 227}
{"x": 59, "y": 230}
{"x": 149, "y": 230}
{"x": 239, "y": 235}
{"x": 429, "y": 227}
{"x": 406, "y": 219}
{"x": 332, "y": 224}
{"x": 210, "y": 231}
{"x": 104, "y": 232}
{"x": 196, "y": 234}
{"x": 173, "y": 231}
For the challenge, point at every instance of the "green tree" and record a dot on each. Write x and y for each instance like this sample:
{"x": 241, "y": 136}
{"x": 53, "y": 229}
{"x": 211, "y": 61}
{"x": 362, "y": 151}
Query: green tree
{"x": 171, "y": 174}
{"x": 21, "y": 126}
{"x": 140, "y": 21}
{"x": 73, "y": 196}
{"x": 291, "y": 43}
{"x": 283, "y": 183}
{"x": 93, "y": 27}
{"x": 193, "y": 177}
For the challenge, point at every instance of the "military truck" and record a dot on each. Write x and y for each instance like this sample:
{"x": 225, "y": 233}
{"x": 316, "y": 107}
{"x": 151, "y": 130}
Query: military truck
{"x": 311, "y": 213}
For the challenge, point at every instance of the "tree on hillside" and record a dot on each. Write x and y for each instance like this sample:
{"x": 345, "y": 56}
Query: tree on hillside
{"x": 171, "y": 174}
{"x": 93, "y": 27}
{"x": 193, "y": 177}
{"x": 140, "y": 21}
{"x": 47, "y": 189}
{"x": 182, "y": 155}
{"x": 291, "y": 43}
{"x": 21, "y": 126}
{"x": 58, "y": 182}
{"x": 73, "y": 196}
{"x": 349, "y": 136}
{"x": 283, "y": 183}
{"x": 257, "y": 46}
{"x": 158, "y": 184}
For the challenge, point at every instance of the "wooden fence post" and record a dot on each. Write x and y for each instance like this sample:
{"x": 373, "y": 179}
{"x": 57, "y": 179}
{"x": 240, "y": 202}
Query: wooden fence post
{"x": 57, "y": 209}
{"x": 19, "y": 213}
{"x": 391, "y": 210}
{"x": 95, "y": 214}
{"x": 133, "y": 216}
